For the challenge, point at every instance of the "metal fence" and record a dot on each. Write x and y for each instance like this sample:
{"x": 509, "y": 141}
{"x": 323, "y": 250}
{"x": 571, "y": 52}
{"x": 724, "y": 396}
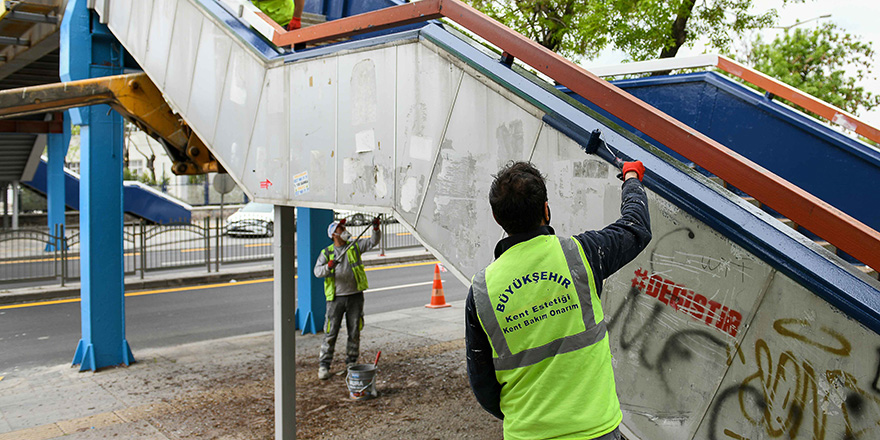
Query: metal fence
{"x": 35, "y": 253}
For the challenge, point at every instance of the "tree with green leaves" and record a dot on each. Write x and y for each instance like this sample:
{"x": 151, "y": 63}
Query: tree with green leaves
{"x": 643, "y": 29}
{"x": 825, "y": 62}
{"x": 568, "y": 27}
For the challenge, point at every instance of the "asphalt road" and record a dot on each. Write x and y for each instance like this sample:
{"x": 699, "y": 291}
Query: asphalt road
{"x": 47, "y": 333}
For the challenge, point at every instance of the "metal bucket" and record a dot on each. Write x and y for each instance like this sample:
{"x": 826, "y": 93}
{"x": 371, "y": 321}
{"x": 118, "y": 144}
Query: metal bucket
{"x": 361, "y": 381}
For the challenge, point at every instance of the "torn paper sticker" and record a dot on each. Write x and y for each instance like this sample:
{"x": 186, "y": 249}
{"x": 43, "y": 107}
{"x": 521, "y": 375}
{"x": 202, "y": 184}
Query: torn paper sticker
{"x": 365, "y": 141}
{"x": 421, "y": 148}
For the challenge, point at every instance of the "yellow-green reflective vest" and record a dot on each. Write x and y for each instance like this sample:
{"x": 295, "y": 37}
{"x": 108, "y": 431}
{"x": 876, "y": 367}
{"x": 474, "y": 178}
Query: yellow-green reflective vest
{"x": 357, "y": 266}
{"x": 281, "y": 11}
{"x": 539, "y": 307}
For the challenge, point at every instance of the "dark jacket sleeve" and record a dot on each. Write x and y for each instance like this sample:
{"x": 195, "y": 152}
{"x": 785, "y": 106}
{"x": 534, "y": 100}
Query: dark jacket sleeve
{"x": 481, "y": 370}
{"x": 617, "y": 244}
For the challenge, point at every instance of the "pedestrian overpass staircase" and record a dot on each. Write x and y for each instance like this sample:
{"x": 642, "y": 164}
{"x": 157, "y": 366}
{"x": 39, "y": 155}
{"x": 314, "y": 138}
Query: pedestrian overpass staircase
{"x": 730, "y": 325}
{"x": 138, "y": 199}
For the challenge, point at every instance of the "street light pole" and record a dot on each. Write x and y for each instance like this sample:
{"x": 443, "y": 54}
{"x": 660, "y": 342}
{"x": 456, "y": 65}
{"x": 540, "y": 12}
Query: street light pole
{"x": 798, "y": 23}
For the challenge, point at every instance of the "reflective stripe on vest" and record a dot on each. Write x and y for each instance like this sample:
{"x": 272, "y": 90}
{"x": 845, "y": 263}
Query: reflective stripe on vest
{"x": 582, "y": 281}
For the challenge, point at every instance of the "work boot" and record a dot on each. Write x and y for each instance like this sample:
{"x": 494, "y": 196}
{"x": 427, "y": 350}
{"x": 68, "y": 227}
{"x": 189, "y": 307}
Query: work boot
{"x": 323, "y": 373}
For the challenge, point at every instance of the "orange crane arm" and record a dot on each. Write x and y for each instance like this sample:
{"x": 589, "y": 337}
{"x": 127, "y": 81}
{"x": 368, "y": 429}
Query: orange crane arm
{"x": 135, "y": 97}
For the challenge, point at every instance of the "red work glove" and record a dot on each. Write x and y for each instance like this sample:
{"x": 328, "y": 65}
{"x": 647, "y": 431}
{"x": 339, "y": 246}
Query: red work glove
{"x": 331, "y": 264}
{"x": 636, "y": 166}
{"x": 295, "y": 23}
{"x": 376, "y": 224}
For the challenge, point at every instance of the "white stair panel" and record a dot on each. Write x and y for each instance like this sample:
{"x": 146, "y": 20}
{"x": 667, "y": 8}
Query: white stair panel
{"x": 120, "y": 17}
{"x": 238, "y": 109}
{"x": 313, "y": 119}
{"x": 365, "y": 143}
{"x": 557, "y": 155}
{"x": 269, "y": 155}
{"x": 425, "y": 93}
{"x": 156, "y": 56}
{"x": 209, "y": 77}
{"x": 139, "y": 28}
{"x": 180, "y": 60}
{"x": 485, "y": 132}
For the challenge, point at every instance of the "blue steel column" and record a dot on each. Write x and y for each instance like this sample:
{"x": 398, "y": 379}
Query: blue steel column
{"x": 311, "y": 230}
{"x": 55, "y": 194}
{"x": 88, "y": 50}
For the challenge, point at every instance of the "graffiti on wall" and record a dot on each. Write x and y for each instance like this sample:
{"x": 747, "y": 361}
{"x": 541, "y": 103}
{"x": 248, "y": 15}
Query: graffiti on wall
{"x": 785, "y": 395}
{"x": 695, "y": 305}
{"x": 803, "y": 379}
{"x": 788, "y": 396}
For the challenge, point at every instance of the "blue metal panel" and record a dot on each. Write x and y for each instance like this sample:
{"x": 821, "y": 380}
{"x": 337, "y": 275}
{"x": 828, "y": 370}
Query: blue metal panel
{"x": 39, "y": 183}
{"x": 790, "y": 144}
{"x": 362, "y": 6}
{"x": 136, "y": 200}
{"x": 834, "y": 284}
{"x": 149, "y": 206}
{"x": 73, "y": 64}
{"x": 333, "y": 9}
{"x": 311, "y": 230}
{"x": 55, "y": 188}
{"x": 89, "y": 43}
{"x": 314, "y": 6}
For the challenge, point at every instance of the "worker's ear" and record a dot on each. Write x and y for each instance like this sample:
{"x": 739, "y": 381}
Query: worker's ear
{"x": 546, "y": 213}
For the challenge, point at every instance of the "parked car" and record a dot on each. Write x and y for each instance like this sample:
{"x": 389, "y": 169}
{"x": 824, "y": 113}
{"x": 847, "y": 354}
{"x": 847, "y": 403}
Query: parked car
{"x": 354, "y": 218}
{"x": 253, "y": 219}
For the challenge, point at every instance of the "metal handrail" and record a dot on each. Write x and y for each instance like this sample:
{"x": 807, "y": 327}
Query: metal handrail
{"x": 805, "y": 209}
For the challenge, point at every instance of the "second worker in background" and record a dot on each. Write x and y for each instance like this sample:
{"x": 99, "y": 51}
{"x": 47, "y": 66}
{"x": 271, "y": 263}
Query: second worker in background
{"x": 345, "y": 280}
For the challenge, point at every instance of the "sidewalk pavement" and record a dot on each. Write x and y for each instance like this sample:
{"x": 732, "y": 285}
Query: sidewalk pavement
{"x": 196, "y": 276}
{"x": 131, "y": 402}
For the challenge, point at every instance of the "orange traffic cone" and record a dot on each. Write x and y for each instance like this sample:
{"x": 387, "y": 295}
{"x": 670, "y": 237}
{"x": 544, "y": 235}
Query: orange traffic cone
{"x": 438, "y": 300}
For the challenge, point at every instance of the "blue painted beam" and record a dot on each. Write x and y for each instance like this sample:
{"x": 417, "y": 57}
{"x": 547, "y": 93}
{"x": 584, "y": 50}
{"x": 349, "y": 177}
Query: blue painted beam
{"x": 55, "y": 188}
{"x": 88, "y": 50}
{"x": 311, "y": 230}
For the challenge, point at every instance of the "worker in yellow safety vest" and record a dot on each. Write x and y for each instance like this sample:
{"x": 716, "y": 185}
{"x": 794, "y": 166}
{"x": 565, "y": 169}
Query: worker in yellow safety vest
{"x": 342, "y": 268}
{"x": 538, "y": 355}
{"x": 284, "y": 12}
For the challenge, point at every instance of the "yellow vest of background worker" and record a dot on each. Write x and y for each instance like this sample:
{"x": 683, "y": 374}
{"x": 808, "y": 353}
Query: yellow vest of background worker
{"x": 281, "y": 11}
{"x": 538, "y": 305}
{"x": 357, "y": 266}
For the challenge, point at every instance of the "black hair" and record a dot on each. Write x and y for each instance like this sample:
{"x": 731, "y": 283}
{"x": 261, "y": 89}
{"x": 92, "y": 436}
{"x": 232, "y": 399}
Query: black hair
{"x": 517, "y": 197}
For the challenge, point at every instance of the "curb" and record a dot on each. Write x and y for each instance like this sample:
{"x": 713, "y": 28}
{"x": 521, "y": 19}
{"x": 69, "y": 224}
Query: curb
{"x": 56, "y": 292}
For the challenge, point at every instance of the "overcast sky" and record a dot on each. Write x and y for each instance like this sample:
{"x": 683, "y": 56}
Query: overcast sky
{"x": 858, "y": 17}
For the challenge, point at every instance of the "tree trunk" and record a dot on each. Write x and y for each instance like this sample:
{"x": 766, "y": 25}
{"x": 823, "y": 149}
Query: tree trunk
{"x": 679, "y": 33}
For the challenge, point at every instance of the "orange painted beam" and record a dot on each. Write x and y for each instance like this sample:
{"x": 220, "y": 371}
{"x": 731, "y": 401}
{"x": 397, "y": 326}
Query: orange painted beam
{"x": 798, "y": 97}
{"x": 387, "y": 18}
{"x": 805, "y": 209}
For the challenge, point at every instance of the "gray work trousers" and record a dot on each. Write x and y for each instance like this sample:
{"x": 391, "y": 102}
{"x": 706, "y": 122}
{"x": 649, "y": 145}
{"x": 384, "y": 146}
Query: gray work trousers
{"x": 352, "y": 306}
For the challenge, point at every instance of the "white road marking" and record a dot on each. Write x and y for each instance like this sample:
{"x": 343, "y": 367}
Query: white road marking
{"x": 402, "y": 286}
